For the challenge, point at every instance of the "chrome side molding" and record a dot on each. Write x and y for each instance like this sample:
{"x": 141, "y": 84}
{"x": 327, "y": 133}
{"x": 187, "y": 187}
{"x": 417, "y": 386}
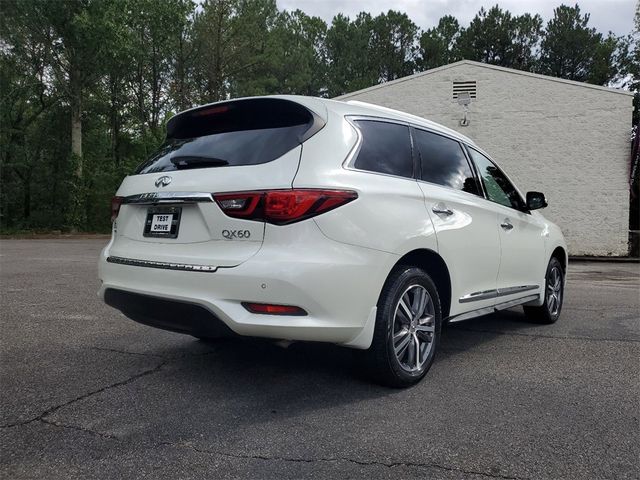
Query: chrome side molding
{"x": 153, "y": 198}
{"x": 499, "y": 292}
{"x": 164, "y": 265}
{"x": 487, "y": 310}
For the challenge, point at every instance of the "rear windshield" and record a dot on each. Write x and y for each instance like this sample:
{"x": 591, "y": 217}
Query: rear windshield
{"x": 243, "y": 132}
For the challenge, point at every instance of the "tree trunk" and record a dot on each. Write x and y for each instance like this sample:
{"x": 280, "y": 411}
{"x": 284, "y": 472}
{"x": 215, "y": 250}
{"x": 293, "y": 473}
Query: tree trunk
{"x": 115, "y": 118}
{"x": 76, "y": 119}
{"x": 217, "y": 73}
{"x": 76, "y": 209}
{"x": 26, "y": 185}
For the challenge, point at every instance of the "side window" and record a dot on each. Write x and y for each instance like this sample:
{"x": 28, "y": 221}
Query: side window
{"x": 386, "y": 148}
{"x": 499, "y": 188}
{"x": 443, "y": 162}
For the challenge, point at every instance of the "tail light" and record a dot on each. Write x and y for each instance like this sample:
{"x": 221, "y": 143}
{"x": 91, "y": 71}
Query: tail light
{"x": 269, "y": 309}
{"x": 282, "y": 207}
{"x": 115, "y": 207}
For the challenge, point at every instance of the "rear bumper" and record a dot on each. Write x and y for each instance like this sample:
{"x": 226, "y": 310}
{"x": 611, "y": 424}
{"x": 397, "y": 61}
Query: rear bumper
{"x": 166, "y": 314}
{"x": 337, "y": 284}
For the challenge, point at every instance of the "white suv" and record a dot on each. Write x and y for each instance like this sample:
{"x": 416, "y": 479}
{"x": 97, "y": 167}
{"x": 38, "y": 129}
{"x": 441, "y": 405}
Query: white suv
{"x": 301, "y": 218}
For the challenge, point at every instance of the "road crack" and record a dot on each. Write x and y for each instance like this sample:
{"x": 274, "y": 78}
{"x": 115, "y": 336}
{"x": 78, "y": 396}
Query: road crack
{"x": 78, "y": 428}
{"x": 125, "y": 352}
{"x": 50, "y": 411}
{"x": 344, "y": 459}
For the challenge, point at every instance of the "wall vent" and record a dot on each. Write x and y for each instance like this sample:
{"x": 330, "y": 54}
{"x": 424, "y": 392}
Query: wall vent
{"x": 464, "y": 87}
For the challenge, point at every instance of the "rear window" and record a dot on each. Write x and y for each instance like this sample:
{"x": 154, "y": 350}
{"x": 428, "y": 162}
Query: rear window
{"x": 244, "y": 132}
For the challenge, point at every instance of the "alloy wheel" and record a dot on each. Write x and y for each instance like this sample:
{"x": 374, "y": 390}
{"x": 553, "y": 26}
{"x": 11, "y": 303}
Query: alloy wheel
{"x": 414, "y": 328}
{"x": 554, "y": 291}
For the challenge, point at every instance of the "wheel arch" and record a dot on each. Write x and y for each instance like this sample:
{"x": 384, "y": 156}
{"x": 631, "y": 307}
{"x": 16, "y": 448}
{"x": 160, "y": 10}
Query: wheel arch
{"x": 435, "y": 266}
{"x": 561, "y": 254}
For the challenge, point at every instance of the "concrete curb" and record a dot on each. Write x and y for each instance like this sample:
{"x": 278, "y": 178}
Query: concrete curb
{"x": 604, "y": 259}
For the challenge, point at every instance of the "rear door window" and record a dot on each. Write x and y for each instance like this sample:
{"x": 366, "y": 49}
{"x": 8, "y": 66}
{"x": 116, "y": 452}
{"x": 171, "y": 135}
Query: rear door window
{"x": 245, "y": 132}
{"x": 386, "y": 148}
{"x": 443, "y": 162}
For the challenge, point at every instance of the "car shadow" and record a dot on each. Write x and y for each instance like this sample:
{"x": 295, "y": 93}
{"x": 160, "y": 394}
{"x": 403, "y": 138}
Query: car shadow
{"x": 227, "y": 384}
{"x": 468, "y": 334}
{"x": 320, "y": 362}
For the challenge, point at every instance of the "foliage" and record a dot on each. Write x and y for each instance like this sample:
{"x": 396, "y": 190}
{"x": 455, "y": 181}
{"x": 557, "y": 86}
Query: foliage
{"x": 571, "y": 49}
{"x": 88, "y": 85}
{"x": 350, "y": 62}
{"x": 497, "y": 37}
{"x": 438, "y": 45}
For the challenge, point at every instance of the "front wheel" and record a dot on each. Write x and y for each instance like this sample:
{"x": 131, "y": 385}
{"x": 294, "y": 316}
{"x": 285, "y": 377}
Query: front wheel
{"x": 549, "y": 311}
{"x": 408, "y": 325}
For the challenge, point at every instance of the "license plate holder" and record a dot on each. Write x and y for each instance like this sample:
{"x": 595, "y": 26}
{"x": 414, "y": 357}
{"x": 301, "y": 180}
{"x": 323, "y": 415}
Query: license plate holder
{"x": 162, "y": 222}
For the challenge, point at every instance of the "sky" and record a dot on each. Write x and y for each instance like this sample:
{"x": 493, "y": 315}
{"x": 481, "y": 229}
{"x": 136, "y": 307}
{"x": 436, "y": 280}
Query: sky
{"x": 606, "y": 15}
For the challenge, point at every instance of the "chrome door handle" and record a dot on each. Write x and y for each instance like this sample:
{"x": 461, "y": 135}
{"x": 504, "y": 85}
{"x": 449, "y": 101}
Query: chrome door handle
{"x": 440, "y": 209}
{"x": 506, "y": 224}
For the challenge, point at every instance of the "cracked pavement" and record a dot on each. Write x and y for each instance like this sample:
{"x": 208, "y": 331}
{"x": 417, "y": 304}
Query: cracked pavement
{"x": 86, "y": 393}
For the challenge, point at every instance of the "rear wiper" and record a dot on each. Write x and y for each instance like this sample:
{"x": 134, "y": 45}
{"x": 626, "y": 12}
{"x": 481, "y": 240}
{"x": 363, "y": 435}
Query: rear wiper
{"x": 192, "y": 161}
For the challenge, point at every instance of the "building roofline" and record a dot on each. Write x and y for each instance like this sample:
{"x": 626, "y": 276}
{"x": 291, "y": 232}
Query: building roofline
{"x": 489, "y": 66}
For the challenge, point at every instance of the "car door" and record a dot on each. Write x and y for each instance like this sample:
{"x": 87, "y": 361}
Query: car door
{"x": 467, "y": 232}
{"x": 522, "y": 262}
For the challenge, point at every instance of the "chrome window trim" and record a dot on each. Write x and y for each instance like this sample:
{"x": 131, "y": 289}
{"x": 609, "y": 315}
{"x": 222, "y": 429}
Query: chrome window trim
{"x": 353, "y": 153}
{"x": 498, "y": 292}
{"x": 163, "y": 265}
{"x": 349, "y": 161}
{"x": 152, "y": 198}
{"x": 473, "y": 195}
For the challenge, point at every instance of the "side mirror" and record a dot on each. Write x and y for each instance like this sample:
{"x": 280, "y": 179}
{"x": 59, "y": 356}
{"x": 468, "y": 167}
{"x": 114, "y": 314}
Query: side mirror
{"x": 536, "y": 200}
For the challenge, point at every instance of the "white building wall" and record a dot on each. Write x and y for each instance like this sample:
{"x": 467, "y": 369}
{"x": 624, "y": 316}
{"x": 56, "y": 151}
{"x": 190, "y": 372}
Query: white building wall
{"x": 567, "y": 140}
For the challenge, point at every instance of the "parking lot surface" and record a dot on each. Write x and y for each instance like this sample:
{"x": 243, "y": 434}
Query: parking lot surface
{"x": 87, "y": 393}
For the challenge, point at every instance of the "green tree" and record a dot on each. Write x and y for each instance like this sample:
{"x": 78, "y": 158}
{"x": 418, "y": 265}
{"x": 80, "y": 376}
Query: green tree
{"x": 527, "y": 30}
{"x": 350, "y": 62}
{"x": 296, "y": 55}
{"x": 497, "y": 37}
{"x": 393, "y": 45}
{"x": 438, "y": 44}
{"x": 184, "y": 58}
{"x": 25, "y": 98}
{"x": 73, "y": 39}
{"x": 573, "y": 50}
{"x": 231, "y": 38}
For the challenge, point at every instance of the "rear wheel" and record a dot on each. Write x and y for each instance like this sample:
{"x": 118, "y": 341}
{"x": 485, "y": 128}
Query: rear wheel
{"x": 549, "y": 311}
{"x": 407, "y": 331}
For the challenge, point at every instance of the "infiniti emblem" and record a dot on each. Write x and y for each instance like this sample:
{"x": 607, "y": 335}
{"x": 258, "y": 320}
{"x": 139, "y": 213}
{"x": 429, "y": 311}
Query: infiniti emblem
{"x": 163, "y": 181}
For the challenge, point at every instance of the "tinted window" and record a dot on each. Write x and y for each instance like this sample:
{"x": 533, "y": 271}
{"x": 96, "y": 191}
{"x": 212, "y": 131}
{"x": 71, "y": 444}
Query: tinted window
{"x": 386, "y": 148}
{"x": 443, "y": 162}
{"x": 499, "y": 189}
{"x": 246, "y": 132}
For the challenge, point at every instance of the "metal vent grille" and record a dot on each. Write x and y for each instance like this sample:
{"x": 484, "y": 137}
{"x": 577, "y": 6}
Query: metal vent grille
{"x": 464, "y": 87}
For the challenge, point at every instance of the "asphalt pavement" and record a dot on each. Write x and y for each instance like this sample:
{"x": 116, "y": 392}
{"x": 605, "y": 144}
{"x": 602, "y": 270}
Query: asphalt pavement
{"x": 87, "y": 393}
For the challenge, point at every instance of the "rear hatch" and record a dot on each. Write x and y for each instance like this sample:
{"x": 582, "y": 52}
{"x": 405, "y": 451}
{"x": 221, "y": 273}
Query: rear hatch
{"x": 167, "y": 210}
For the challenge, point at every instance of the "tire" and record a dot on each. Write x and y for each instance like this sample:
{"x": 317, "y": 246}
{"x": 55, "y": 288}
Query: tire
{"x": 393, "y": 359}
{"x": 549, "y": 311}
